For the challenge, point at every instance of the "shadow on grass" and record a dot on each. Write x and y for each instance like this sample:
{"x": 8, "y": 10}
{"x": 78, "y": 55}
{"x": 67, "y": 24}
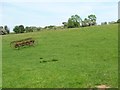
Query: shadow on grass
{"x": 45, "y": 61}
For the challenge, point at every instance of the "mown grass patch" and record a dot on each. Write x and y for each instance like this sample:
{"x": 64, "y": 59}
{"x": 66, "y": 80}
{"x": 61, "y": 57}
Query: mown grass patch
{"x": 79, "y": 58}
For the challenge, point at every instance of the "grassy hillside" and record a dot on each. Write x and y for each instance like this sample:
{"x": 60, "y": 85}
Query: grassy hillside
{"x": 81, "y": 58}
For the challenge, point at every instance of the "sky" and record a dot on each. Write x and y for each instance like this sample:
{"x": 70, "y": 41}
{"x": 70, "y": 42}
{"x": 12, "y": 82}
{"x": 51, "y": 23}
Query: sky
{"x": 42, "y": 13}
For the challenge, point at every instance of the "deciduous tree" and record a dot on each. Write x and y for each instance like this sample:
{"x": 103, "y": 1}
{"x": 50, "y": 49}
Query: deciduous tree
{"x": 92, "y": 19}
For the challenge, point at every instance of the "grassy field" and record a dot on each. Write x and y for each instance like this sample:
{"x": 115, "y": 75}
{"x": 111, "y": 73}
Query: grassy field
{"x": 71, "y": 58}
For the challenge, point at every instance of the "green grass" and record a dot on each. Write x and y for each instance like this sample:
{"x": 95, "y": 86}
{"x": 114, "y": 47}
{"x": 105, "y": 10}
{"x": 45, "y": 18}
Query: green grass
{"x": 87, "y": 57}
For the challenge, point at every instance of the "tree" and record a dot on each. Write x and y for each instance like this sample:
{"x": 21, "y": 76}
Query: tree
{"x": 74, "y": 21}
{"x": 51, "y": 27}
{"x": 86, "y": 22}
{"x": 39, "y": 28}
{"x": 70, "y": 23}
{"x": 92, "y": 19}
{"x": 33, "y": 28}
{"x": 28, "y": 29}
{"x": 21, "y": 29}
{"x": 6, "y": 29}
{"x": 16, "y": 29}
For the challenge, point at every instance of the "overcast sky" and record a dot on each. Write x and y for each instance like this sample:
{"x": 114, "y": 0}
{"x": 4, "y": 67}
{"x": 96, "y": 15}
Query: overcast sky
{"x": 54, "y": 12}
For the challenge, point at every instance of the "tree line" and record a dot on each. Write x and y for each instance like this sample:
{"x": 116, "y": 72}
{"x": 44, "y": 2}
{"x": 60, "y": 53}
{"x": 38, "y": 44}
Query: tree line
{"x": 75, "y": 21}
{"x": 22, "y": 29}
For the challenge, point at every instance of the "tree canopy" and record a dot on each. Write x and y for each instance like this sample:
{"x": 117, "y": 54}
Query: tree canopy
{"x": 74, "y": 21}
{"x": 92, "y": 19}
{"x": 19, "y": 29}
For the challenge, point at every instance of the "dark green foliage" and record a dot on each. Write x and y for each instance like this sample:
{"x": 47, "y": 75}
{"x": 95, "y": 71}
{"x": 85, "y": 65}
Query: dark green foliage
{"x": 92, "y": 19}
{"x": 32, "y": 28}
{"x": 49, "y": 27}
{"x": 39, "y": 28}
{"x": 19, "y": 29}
{"x": 28, "y": 29}
{"x": 16, "y": 29}
{"x": 71, "y": 23}
{"x": 74, "y": 21}
{"x": 7, "y": 29}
